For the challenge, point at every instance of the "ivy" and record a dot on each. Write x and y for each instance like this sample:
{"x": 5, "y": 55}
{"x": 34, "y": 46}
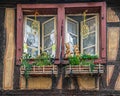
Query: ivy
{"x": 25, "y": 63}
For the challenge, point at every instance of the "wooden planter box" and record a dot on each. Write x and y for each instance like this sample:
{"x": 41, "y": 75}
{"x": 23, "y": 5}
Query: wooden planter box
{"x": 41, "y": 70}
{"x": 78, "y": 69}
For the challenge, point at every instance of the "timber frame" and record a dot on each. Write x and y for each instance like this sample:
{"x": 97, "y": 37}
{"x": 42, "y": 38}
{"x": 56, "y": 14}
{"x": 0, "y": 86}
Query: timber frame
{"x": 61, "y": 11}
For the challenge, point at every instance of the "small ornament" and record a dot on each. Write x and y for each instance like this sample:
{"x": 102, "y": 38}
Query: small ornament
{"x": 76, "y": 50}
{"x": 84, "y": 27}
{"x": 67, "y": 53}
{"x": 35, "y": 22}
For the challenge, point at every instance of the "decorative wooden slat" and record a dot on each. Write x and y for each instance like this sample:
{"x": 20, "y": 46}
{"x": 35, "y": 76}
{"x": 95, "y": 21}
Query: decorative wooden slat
{"x": 10, "y": 49}
{"x": 77, "y": 69}
{"x": 41, "y": 70}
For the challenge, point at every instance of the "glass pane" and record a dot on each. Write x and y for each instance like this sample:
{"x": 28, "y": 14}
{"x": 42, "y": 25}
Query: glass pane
{"x": 89, "y": 50}
{"x": 73, "y": 40}
{"x": 29, "y": 22}
{"x": 91, "y": 24}
{"x": 90, "y": 40}
{"x": 49, "y": 27}
{"x": 49, "y": 51}
{"x": 32, "y": 52}
{"x": 72, "y": 27}
{"x": 49, "y": 41}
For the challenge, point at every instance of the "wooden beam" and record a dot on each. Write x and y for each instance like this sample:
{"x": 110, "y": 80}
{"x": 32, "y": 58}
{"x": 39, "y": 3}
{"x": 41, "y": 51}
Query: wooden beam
{"x": 10, "y": 49}
{"x": 2, "y": 44}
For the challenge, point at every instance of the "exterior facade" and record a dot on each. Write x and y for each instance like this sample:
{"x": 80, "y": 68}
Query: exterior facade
{"x": 65, "y": 29}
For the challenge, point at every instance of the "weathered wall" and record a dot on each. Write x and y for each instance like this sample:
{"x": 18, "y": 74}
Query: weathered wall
{"x": 113, "y": 48}
{"x": 36, "y": 83}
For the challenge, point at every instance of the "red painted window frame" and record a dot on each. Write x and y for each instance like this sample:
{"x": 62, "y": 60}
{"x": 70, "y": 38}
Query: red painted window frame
{"x": 60, "y": 27}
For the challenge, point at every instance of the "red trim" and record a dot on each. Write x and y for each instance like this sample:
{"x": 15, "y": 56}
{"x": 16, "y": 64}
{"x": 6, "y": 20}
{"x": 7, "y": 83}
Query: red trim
{"x": 19, "y": 33}
{"x": 90, "y": 4}
{"x": 59, "y": 22}
{"x": 63, "y": 31}
{"x": 36, "y": 6}
{"x": 103, "y": 31}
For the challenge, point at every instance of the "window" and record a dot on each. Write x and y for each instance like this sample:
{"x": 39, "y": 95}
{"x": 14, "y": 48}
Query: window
{"x": 89, "y": 44}
{"x": 36, "y": 38}
{"x": 58, "y": 24}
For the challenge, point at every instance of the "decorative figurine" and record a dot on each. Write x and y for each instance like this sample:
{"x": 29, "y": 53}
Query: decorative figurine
{"x": 76, "y": 50}
{"x": 67, "y": 53}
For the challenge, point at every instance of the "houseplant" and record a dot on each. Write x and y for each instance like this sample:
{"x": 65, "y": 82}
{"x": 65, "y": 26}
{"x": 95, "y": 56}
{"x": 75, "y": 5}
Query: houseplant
{"x": 83, "y": 60}
{"x": 43, "y": 59}
{"x": 40, "y": 61}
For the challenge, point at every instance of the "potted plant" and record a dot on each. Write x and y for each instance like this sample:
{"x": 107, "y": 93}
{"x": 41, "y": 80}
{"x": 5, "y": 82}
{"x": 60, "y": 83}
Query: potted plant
{"x": 83, "y": 60}
{"x": 44, "y": 63}
{"x": 39, "y": 65}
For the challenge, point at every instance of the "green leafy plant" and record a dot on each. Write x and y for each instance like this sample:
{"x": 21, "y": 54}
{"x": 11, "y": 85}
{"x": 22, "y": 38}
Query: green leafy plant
{"x": 88, "y": 60}
{"x": 43, "y": 59}
{"x": 87, "y": 56}
{"x": 83, "y": 60}
{"x": 25, "y": 63}
{"x": 74, "y": 60}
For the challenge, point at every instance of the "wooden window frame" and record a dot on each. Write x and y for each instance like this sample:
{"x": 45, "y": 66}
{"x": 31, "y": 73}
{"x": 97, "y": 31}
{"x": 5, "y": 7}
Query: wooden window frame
{"x": 54, "y": 19}
{"x": 61, "y": 27}
{"x": 96, "y": 36}
{"x": 24, "y": 30}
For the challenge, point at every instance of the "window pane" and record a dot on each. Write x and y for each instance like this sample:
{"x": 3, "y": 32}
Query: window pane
{"x": 90, "y": 40}
{"x": 47, "y": 42}
{"x": 89, "y": 50}
{"x": 49, "y": 27}
{"x": 29, "y": 23}
{"x": 73, "y": 40}
{"x": 49, "y": 51}
{"x": 91, "y": 24}
{"x": 72, "y": 27}
{"x": 32, "y": 52}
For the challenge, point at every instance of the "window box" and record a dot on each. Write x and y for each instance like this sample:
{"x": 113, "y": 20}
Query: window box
{"x": 79, "y": 69}
{"x": 84, "y": 64}
{"x": 40, "y": 70}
